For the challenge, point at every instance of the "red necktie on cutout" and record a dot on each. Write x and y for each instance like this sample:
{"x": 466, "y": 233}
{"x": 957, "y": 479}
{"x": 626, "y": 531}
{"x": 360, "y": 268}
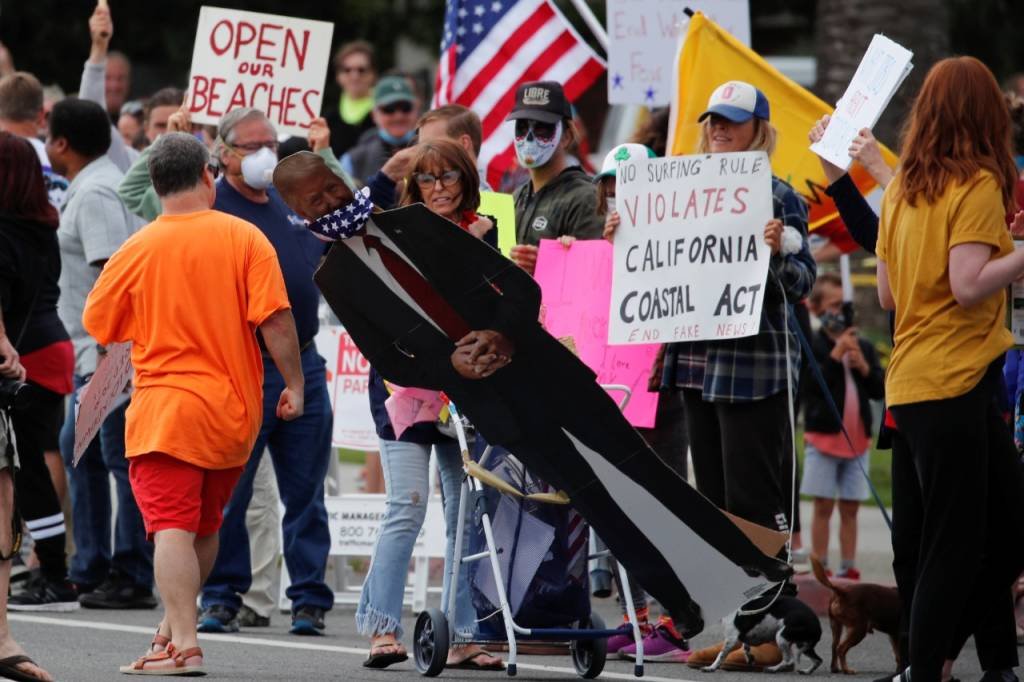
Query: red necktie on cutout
{"x": 439, "y": 310}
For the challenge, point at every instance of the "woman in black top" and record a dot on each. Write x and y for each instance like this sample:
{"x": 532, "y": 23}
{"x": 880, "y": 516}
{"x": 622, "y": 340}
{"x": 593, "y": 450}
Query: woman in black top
{"x": 29, "y": 265}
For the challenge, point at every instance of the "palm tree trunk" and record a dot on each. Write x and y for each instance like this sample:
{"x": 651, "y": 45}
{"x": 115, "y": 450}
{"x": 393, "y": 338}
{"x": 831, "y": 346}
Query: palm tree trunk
{"x": 844, "y": 30}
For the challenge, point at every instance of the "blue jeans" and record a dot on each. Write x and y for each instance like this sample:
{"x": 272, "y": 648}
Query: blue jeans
{"x": 89, "y": 485}
{"x": 406, "y": 481}
{"x": 301, "y": 451}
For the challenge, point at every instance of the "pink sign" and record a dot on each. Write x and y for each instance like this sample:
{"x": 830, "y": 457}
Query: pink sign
{"x": 576, "y": 286}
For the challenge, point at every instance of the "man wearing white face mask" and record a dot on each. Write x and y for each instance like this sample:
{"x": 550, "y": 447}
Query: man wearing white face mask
{"x": 246, "y": 150}
{"x": 559, "y": 200}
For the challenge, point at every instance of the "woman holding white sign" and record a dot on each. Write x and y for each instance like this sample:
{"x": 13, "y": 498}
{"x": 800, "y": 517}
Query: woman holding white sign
{"x": 738, "y": 392}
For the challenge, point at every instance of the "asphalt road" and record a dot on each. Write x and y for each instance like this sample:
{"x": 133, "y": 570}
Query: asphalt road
{"x": 90, "y": 645}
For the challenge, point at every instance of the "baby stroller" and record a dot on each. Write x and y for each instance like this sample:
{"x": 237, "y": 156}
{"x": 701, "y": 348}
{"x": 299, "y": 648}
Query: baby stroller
{"x": 434, "y": 633}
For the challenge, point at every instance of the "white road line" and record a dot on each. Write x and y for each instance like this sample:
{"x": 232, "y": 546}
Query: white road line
{"x": 258, "y": 641}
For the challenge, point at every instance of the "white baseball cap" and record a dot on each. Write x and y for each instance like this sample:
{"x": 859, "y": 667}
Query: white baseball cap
{"x": 737, "y": 101}
{"x": 619, "y": 154}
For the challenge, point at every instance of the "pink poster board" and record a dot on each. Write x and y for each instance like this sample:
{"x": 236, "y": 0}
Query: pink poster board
{"x": 576, "y": 286}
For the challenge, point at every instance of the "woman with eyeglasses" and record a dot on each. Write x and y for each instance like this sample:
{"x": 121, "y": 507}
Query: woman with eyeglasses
{"x": 443, "y": 178}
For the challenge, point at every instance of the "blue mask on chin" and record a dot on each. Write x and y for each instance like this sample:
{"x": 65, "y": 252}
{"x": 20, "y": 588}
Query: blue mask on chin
{"x": 396, "y": 141}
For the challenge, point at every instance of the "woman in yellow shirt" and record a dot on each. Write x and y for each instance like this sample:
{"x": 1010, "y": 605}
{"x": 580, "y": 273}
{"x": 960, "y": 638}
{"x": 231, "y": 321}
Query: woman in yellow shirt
{"x": 945, "y": 259}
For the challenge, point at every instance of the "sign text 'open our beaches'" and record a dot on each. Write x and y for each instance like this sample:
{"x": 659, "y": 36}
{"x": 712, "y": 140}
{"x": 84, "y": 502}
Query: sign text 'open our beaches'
{"x": 690, "y": 256}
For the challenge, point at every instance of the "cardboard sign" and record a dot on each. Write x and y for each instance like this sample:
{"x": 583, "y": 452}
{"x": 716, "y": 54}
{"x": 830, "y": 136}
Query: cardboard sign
{"x": 881, "y": 72}
{"x": 502, "y": 207}
{"x": 643, "y": 38}
{"x": 247, "y": 59}
{"x": 105, "y": 391}
{"x": 576, "y": 285}
{"x": 690, "y": 257}
{"x": 348, "y": 381}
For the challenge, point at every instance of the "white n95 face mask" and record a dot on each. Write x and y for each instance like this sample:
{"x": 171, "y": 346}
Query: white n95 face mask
{"x": 609, "y": 203}
{"x": 258, "y": 168}
{"x": 534, "y": 152}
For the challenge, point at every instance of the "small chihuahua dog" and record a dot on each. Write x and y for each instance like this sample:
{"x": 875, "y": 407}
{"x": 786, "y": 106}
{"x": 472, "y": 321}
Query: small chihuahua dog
{"x": 787, "y": 621}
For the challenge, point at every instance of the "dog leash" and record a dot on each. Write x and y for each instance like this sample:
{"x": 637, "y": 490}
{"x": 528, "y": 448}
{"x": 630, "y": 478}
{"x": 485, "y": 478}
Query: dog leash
{"x": 820, "y": 378}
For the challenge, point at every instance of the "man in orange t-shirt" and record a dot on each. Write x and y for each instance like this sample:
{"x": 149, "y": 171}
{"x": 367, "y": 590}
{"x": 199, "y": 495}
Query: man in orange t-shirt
{"x": 189, "y": 291}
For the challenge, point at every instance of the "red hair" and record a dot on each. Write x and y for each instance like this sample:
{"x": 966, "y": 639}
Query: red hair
{"x": 959, "y": 125}
{"x": 22, "y": 186}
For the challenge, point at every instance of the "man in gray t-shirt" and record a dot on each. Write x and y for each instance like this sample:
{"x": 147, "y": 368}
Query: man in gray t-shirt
{"x": 94, "y": 222}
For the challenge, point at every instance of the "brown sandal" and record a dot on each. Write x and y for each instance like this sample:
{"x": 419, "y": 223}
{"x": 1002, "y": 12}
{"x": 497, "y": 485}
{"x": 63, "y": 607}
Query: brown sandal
{"x": 170, "y": 661}
{"x": 159, "y": 643}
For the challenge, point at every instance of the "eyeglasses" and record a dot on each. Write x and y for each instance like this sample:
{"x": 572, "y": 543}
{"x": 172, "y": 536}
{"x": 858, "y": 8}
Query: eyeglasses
{"x": 540, "y": 130}
{"x": 355, "y": 69}
{"x": 428, "y": 180}
{"x": 253, "y": 147}
{"x": 404, "y": 107}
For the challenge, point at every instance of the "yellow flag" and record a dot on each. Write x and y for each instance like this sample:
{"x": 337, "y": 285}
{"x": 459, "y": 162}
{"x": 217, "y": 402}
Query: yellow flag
{"x": 710, "y": 57}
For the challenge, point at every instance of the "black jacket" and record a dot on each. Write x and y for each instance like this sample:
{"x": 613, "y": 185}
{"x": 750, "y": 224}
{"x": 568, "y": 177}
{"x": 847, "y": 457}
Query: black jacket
{"x": 344, "y": 136}
{"x": 370, "y": 154}
{"x": 406, "y": 350}
{"x": 29, "y": 271}
{"x": 818, "y": 416}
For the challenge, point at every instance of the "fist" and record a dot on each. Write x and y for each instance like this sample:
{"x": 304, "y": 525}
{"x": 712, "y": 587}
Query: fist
{"x": 319, "y": 134}
{"x": 773, "y": 235}
{"x": 525, "y": 257}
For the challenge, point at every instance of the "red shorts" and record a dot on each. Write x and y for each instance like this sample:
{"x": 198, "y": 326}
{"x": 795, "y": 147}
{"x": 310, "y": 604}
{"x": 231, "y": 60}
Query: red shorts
{"x": 173, "y": 494}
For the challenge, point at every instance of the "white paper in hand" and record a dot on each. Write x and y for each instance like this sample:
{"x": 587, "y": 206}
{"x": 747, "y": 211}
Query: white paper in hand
{"x": 881, "y": 72}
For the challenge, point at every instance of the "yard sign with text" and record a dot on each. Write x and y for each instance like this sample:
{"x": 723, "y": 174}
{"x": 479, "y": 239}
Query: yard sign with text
{"x": 247, "y": 59}
{"x": 690, "y": 256}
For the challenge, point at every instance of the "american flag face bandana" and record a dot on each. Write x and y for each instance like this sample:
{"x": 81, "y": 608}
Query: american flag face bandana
{"x": 346, "y": 220}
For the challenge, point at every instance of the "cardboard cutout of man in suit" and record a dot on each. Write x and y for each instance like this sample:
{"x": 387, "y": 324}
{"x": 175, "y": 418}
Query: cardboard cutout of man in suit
{"x": 466, "y": 322}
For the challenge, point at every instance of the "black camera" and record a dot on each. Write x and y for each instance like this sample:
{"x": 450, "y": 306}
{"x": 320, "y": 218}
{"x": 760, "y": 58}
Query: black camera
{"x": 13, "y": 395}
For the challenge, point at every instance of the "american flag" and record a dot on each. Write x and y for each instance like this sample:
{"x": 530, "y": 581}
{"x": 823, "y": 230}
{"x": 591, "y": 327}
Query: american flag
{"x": 491, "y": 46}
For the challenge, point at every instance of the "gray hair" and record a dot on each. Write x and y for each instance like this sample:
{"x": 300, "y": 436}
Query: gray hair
{"x": 176, "y": 163}
{"x": 228, "y": 123}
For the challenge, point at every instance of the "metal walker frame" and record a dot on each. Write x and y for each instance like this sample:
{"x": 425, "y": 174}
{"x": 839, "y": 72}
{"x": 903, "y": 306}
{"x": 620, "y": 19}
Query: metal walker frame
{"x": 434, "y": 631}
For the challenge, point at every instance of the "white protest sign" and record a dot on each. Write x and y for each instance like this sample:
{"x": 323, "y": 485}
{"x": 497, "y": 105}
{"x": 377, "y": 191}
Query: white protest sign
{"x": 644, "y": 36}
{"x": 247, "y": 59}
{"x": 690, "y": 256}
{"x": 355, "y": 521}
{"x": 881, "y": 72}
{"x": 104, "y": 392}
{"x": 348, "y": 380}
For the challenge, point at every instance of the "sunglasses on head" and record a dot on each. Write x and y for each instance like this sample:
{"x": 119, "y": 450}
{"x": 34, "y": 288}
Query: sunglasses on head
{"x": 404, "y": 107}
{"x": 428, "y": 180}
{"x": 540, "y": 130}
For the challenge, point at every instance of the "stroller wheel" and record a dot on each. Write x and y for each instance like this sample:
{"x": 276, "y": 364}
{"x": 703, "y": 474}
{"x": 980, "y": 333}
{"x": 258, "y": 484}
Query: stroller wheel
{"x": 588, "y": 655}
{"x": 430, "y": 642}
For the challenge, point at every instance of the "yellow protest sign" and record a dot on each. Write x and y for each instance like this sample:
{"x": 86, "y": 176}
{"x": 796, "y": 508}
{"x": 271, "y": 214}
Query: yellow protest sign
{"x": 502, "y": 208}
{"x": 710, "y": 57}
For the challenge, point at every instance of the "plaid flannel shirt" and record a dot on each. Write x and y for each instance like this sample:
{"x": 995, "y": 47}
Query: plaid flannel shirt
{"x": 754, "y": 367}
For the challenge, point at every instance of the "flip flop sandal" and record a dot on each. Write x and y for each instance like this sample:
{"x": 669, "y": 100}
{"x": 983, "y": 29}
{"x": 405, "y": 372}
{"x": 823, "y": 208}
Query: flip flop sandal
{"x": 470, "y": 663}
{"x": 380, "y": 659}
{"x": 170, "y": 661}
{"x": 9, "y": 669}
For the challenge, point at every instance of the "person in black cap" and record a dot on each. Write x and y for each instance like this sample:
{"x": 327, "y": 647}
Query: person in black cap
{"x": 559, "y": 199}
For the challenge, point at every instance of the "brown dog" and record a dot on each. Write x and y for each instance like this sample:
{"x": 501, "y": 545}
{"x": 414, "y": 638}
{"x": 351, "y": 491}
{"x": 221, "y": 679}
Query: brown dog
{"x": 860, "y": 608}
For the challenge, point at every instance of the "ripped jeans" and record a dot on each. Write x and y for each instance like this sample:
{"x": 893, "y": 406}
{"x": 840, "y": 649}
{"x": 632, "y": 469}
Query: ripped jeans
{"x": 406, "y": 482}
